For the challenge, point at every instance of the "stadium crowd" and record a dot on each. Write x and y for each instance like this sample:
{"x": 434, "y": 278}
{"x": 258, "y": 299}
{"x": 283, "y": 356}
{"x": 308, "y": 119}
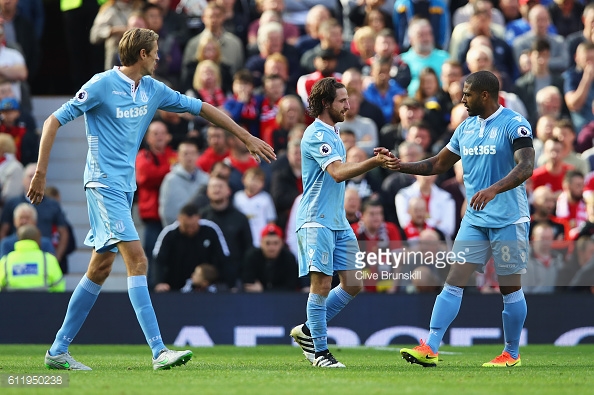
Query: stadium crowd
{"x": 215, "y": 219}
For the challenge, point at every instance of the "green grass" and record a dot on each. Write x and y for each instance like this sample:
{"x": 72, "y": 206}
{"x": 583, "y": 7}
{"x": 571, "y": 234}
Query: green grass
{"x": 282, "y": 370}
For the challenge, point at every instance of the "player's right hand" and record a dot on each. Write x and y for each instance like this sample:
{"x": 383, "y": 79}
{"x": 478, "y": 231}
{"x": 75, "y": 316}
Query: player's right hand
{"x": 386, "y": 158}
{"x": 260, "y": 149}
{"x": 36, "y": 189}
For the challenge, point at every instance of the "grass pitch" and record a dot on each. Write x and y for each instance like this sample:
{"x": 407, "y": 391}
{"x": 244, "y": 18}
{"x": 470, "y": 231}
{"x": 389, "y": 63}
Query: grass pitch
{"x": 283, "y": 370}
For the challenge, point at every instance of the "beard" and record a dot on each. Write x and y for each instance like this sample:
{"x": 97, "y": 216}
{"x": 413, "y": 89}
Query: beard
{"x": 336, "y": 116}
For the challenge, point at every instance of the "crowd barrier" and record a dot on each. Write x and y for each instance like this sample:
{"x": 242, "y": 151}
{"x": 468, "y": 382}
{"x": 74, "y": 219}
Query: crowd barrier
{"x": 374, "y": 320}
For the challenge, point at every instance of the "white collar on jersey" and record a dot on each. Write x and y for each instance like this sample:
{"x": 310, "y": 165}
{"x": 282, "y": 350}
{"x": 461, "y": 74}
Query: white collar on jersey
{"x": 496, "y": 113}
{"x": 335, "y": 129}
{"x": 133, "y": 87}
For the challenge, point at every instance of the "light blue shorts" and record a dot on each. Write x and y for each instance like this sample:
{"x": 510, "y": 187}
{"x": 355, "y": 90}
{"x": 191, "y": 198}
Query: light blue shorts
{"x": 110, "y": 214}
{"x": 324, "y": 250}
{"x": 508, "y": 246}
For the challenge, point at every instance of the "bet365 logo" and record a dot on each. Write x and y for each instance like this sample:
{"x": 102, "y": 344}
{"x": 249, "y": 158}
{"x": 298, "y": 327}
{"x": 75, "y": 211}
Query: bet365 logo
{"x": 479, "y": 150}
{"x": 131, "y": 113}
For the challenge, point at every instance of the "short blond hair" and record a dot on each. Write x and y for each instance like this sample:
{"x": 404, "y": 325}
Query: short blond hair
{"x": 206, "y": 64}
{"x": 7, "y": 144}
{"x": 133, "y": 41}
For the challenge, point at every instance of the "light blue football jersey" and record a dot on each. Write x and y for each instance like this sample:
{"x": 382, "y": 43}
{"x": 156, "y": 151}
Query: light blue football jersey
{"x": 323, "y": 197}
{"x": 486, "y": 150}
{"x": 116, "y": 119}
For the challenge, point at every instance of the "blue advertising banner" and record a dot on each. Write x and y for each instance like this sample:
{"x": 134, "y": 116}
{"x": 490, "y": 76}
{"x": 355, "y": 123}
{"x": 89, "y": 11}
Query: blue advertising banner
{"x": 253, "y": 319}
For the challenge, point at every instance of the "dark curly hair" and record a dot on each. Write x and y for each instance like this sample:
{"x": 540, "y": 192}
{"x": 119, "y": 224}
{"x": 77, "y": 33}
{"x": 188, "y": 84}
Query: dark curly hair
{"x": 484, "y": 81}
{"x": 322, "y": 94}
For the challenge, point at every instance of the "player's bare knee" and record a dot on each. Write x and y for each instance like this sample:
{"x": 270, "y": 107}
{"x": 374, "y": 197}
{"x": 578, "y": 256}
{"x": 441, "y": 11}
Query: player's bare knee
{"x": 137, "y": 268}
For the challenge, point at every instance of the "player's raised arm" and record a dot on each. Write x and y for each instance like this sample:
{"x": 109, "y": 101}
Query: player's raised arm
{"x": 48, "y": 135}
{"x": 437, "y": 164}
{"x": 258, "y": 148}
{"x": 524, "y": 158}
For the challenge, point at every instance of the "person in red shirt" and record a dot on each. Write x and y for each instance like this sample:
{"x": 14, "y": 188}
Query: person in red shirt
{"x": 570, "y": 203}
{"x": 554, "y": 169}
{"x": 152, "y": 164}
{"x": 378, "y": 234}
{"x": 218, "y": 148}
{"x": 417, "y": 208}
{"x": 274, "y": 89}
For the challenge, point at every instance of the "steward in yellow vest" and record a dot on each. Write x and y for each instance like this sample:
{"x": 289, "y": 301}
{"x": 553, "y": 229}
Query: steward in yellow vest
{"x": 27, "y": 268}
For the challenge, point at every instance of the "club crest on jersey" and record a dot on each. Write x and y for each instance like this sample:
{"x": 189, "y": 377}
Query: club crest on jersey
{"x": 324, "y": 258}
{"x": 82, "y": 96}
{"x": 325, "y": 149}
{"x": 523, "y": 131}
{"x": 143, "y": 96}
{"x": 493, "y": 133}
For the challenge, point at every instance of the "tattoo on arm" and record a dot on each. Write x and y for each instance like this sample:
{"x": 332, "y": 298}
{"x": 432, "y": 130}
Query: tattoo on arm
{"x": 524, "y": 158}
{"x": 423, "y": 168}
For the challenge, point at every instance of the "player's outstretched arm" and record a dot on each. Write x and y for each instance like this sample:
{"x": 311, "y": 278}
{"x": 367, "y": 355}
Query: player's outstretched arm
{"x": 48, "y": 135}
{"x": 524, "y": 158}
{"x": 258, "y": 148}
{"x": 437, "y": 164}
{"x": 343, "y": 171}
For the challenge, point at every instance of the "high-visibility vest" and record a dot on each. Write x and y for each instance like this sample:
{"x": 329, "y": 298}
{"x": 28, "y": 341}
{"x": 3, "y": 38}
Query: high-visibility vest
{"x": 67, "y": 5}
{"x": 27, "y": 268}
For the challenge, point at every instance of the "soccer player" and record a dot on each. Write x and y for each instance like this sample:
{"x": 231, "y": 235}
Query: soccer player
{"x": 495, "y": 145}
{"x": 327, "y": 242}
{"x": 118, "y": 106}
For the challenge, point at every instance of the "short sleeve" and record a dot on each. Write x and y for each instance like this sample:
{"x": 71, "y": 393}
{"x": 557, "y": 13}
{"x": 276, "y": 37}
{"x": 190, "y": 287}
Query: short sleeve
{"x": 454, "y": 144}
{"x": 518, "y": 128}
{"x": 87, "y": 98}
{"x": 322, "y": 149}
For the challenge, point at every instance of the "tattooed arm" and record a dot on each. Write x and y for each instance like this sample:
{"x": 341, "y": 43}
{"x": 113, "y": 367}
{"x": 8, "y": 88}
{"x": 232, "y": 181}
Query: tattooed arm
{"x": 437, "y": 164}
{"x": 524, "y": 158}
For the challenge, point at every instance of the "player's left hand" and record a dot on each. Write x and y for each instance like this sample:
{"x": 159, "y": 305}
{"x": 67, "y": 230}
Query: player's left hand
{"x": 481, "y": 198}
{"x": 260, "y": 149}
{"x": 386, "y": 158}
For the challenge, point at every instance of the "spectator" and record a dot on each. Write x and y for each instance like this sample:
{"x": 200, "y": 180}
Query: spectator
{"x": 584, "y": 35}
{"x": 50, "y": 216}
{"x": 571, "y": 207}
{"x": 175, "y": 24}
{"x": 549, "y": 101}
{"x": 543, "y": 209}
{"x": 206, "y": 84}
{"x": 368, "y": 184}
{"x": 25, "y": 137}
{"x": 255, "y": 203}
{"x": 543, "y": 262}
{"x": 463, "y": 14}
{"x": 366, "y": 134}
{"x": 420, "y": 133}
{"x": 325, "y": 63}
{"x": 272, "y": 266}
{"x": 110, "y": 24}
{"x": 451, "y": 79}
{"x": 543, "y": 132}
{"x": 54, "y": 193}
{"x": 236, "y": 17}
{"x": 520, "y": 26}
{"x": 552, "y": 171}
{"x": 28, "y": 267}
{"x": 296, "y": 11}
{"x": 274, "y": 90}
{"x": 407, "y": 152}
{"x": 182, "y": 245}
{"x": 385, "y": 47}
{"x": 203, "y": 279}
{"x": 271, "y": 41}
{"x": 11, "y": 170}
{"x": 13, "y": 67}
{"x": 315, "y": 16}
{"x": 455, "y": 187}
{"x": 440, "y": 204}
{"x": 240, "y": 161}
{"x": 361, "y": 12}
{"x": 231, "y": 46}
{"x": 208, "y": 49}
{"x": 25, "y": 214}
{"x": 290, "y": 32}
{"x": 566, "y": 16}
{"x": 565, "y": 133}
{"x": 457, "y": 115}
{"x": 383, "y": 89}
{"x": 377, "y": 234}
{"x": 244, "y": 107}
{"x": 353, "y": 79}
{"x": 181, "y": 183}
{"x": 438, "y": 104}
{"x": 286, "y": 182}
{"x": 220, "y": 170}
{"x": 540, "y": 21}
{"x": 537, "y": 78}
{"x": 152, "y": 164}
{"x": 422, "y": 52}
{"x": 434, "y": 10}
{"x": 409, "y": 110}
{"x": 291, "y": 114}
{"x": 217, "y": 150}
{"x": 417, "y": 210}
{"x": 235, "y": 228}
{"x": 579, "y": 94}
{"x": 583, "y": 253}
{"x": 330, "y": 33}
{"x": 352, "y": 205}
